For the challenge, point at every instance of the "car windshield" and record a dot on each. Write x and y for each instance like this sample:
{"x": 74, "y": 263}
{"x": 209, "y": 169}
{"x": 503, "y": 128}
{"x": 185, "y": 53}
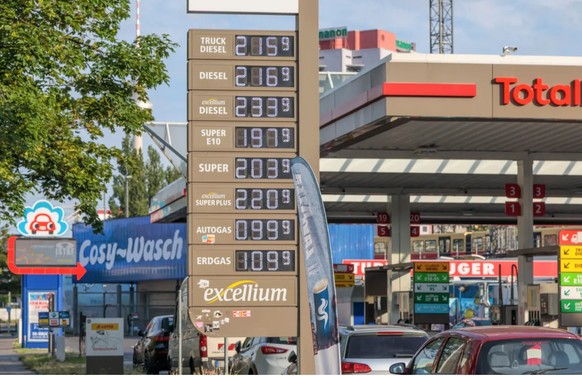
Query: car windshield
{"x": 530, "y": 356}
{"x": 373, "y": 346}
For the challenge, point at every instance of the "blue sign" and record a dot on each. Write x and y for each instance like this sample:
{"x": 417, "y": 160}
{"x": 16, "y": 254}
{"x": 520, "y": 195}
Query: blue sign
{"x": 431, "y": 308}
{"x": 132, "y": 249}
{"x": 37, "y": 333}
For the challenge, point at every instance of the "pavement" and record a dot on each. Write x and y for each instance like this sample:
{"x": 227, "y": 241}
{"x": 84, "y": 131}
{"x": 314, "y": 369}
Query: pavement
{"x": 11, "y": 365}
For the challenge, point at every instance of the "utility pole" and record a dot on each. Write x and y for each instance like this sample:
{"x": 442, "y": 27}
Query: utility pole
{"x": 441, "y": 26}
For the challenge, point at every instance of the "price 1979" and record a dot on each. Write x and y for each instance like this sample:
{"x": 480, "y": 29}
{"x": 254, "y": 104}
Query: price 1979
{"x": 265, "y": 137}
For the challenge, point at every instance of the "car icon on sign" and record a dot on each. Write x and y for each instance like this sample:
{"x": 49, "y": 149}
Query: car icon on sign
{"x": 42, "y": 222}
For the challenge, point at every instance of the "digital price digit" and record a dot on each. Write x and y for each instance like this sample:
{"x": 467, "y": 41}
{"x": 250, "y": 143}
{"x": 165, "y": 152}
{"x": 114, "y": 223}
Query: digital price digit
{"x": 264, "y": 229}
{"x": 265, "y": 261}
{"x": 264, "y": 199}
{"x": 263, "y": 137}
{"x": 262, "y": 168}
{"x": 264, "y": 76}
{"x": 264, "y": 107}
{"x": 264, "y": 45}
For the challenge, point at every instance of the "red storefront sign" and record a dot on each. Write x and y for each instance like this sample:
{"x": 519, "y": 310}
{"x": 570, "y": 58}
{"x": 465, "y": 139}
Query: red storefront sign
{"x": 473, "y": 268}
{"x": 538, "y": 92}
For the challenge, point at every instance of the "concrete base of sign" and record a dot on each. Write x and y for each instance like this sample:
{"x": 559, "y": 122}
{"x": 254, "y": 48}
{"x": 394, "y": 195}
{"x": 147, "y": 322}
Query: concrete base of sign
{"x": 60, "y": 348}
{"x": 104, "y": 365}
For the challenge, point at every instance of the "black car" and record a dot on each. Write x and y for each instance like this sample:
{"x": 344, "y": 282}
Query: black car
{"x": 151, "y": 351}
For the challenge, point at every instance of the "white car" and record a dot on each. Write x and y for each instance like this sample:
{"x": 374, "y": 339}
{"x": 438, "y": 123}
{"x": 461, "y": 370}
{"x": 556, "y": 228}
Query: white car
{"x": 262, "y": 355}
{"x": 372, "y": 349}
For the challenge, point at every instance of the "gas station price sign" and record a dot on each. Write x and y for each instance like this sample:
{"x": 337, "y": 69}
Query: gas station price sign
{"x": 243, "y": 104}
{"x": 241, "y": 75}
{"x": 242, "y": 44}
{"x": 239, "y": 168}
{"x": 233, "y": 137}
{"x": 241, "y": 198}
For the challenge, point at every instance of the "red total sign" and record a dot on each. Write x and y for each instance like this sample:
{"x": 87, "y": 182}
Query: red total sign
{"x": 538, "y": 92}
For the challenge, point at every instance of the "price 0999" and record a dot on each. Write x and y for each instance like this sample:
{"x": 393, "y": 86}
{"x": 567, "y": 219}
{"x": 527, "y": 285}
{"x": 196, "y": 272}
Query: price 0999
{"x": 264, "y": 229}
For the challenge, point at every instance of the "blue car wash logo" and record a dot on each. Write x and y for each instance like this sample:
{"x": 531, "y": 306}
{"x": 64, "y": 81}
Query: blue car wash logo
{"x": 43, "y": 219}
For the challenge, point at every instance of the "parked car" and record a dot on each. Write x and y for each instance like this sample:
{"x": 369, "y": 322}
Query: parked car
{"x": 292, "y": 367}
{"x": 374, "y": 348}
{"x": 262, "y": 355}
{"x": 475, "y": 321}
{"x": 151, "y": 351}
{"x": 494, "y": 350}
{"x": 201, "y": 354}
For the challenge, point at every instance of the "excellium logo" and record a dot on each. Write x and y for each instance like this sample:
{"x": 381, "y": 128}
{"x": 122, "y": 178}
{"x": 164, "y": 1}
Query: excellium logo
{"x": 242, "y": 291}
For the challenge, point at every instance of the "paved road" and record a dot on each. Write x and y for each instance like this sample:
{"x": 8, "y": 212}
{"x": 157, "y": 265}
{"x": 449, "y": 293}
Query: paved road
{"x": 11, "y": 365}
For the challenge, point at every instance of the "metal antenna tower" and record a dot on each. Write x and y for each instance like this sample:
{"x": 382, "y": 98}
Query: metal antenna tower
{"x": 441, "y": 26}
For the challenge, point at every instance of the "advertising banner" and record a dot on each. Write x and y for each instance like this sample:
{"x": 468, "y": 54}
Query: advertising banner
{"x": 104, "y": 337}
{"x": 132, "y": 249}
{"x": 319, "y": 266}
{"x": 37, "y": 302}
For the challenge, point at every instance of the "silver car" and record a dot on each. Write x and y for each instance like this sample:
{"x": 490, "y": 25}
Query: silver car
{"x": 373, "y": 349}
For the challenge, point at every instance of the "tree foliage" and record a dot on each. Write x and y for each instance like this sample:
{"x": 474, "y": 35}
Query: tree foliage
{"x": 144, "y": 180}
{"x": 65, "y": 80}
{"x": 8, "y": 281}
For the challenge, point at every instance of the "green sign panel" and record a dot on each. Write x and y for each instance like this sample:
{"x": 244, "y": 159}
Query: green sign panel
{"x": 336, "y": 32}
{"x": 570, "y": 306}
{"x": 439, "y": 298}
{"x": 571, "y": 279}
{"x": 403, "y": 45}
{"x": 431, "y": 277}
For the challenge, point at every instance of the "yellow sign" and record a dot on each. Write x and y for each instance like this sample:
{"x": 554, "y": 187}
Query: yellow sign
{"x": 442, "y": 267}
{"x": 571, "y": 265}
{"x": 344, "y": 277}
{"x": 571, "y": 251}
{"x": 105, "y": 326}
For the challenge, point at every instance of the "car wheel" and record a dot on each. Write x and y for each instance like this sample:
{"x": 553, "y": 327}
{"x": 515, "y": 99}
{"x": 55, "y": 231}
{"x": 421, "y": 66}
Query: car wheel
{"x": 150, "y": 368}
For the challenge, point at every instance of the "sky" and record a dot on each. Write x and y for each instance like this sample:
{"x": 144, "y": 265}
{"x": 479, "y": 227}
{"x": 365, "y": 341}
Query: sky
{"x": 536, "y": 27}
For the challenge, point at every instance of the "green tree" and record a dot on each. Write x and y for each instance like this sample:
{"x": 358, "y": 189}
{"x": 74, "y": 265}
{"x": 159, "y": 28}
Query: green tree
{"x": 146, "y": 179}
{"x": 8, "y": 281}
{"x": 65, "y": 78}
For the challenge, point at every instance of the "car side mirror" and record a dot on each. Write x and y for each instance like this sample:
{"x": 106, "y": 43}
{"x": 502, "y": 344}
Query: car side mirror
{"x": 140, "y": 333}
{"x": 237, "y": 347}
{"x": 397, "y": 368}
{"x": 292, "y": 358}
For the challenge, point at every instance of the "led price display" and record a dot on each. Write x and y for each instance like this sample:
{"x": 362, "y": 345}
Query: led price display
{"x": 264, "y": 107}
{"x": 265, "y": 199}
{"x": 264, "y": 45}
{"x": 264, "y": 137}
{"x": 262, "y": 168}
{"x": 264, "y": 229}
{"x": 264, "y": 76}
{"x": 265, "y": 261}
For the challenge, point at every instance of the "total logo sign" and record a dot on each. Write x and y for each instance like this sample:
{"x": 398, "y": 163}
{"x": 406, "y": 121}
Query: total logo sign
{"x": 43, "y": 219}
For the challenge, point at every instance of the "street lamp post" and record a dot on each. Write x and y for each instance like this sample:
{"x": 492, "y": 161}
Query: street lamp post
{"x": 127, "y": 177}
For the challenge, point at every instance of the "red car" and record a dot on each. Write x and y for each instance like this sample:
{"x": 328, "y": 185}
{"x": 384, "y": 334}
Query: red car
{"x": 42, "y": 222}
{"x": 497, "y": 350}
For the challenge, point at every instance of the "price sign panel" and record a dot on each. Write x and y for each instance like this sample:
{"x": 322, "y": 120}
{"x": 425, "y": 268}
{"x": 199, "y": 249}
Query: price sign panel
{"x": 246, "y": 91}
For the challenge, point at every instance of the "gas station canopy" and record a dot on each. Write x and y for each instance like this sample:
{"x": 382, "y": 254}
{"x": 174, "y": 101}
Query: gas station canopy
{"x": 449, "y": 131}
